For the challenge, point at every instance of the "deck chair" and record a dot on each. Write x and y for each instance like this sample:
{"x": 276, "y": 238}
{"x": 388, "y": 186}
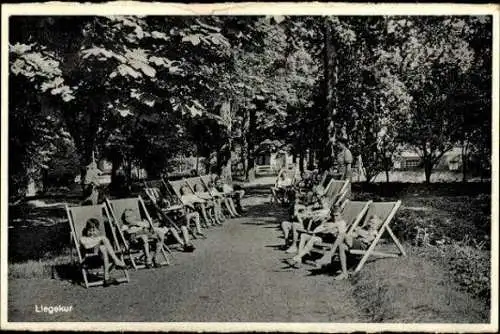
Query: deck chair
{"x": 169, "y": 213}
{"x": 154, "y": 195}
{"x": 176, "y": 186}
{"x": 171, "y": 196}
{"x": 192, "y": 182}
{"x": 338, "y": 192}
{"x": 325, "y": 183}
{"x": 116, "y": 208}
{"x": 206, "y": 179}
{"x": 335, "y": 195}
{"x": 274, "y": 196}
{"x": 90, "y": 262}
{"x": 386, "y": 212}
{"x": 210, "y": 179}
{"x": 352, "y": 212}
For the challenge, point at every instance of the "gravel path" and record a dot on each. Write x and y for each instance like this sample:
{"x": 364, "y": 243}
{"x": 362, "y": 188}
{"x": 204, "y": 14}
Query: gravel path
{"x": 236, "y": 274}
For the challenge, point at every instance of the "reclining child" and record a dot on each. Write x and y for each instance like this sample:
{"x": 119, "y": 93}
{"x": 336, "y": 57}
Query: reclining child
{"x": 92, "y": 239}
{"x": 360, "y": 237}
{"x": 140, "y": 231}
{"x": 213, "y": 204}
{"x": 185, "y": 219}
{"x": 195, "y": 203}
{"x": 302, "y": 221}
{"x": 326, "y": 232}
{"x": 228, "y": 201}
{"x": 234, "y": 195}
{"x": 281, "y": 188}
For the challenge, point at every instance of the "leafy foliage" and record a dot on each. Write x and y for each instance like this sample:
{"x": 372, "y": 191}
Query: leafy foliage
{"x": 142, "y": 90}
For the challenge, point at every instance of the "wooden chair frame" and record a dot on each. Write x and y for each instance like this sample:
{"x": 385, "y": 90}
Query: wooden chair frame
{"x": 384, "y": 228}
{"x": 116, "y": 218}
{"x": 98, "y": 210}
{"x": 370, "y": 251}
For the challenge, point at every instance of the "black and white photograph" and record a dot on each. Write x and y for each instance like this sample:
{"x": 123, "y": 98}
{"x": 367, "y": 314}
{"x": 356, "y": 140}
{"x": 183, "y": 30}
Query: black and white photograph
{"x": 272, "y": 169}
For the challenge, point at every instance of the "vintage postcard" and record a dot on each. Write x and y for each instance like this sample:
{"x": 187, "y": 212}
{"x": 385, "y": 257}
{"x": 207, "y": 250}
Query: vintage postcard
{"x": 283, "y": 167}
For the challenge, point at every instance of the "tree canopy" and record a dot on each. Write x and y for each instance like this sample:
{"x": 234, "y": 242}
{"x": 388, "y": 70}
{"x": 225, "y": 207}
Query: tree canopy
{"x": 142, "y": 90}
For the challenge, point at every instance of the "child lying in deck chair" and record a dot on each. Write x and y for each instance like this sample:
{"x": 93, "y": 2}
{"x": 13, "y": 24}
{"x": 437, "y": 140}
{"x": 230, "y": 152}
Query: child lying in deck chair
{"x": 196, "y": 203}
{"x": 303, "y": 221}
{"x": 213, "y": 204}
{"x": 279, "y": 192}
{"x": 235, "y": 195}
{"x": 139, "y": 231}
{"x": 92, "y": 239}
{"x": 360, "y": 238}
{"x": 228, "y": 201}
{"x": 185, "y": 218}
{"x": 324, "y": 233}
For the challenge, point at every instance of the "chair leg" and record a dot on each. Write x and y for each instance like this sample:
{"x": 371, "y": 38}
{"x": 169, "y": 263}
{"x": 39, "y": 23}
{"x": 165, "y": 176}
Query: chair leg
{"x": 396, "y": 241}
{"x": 167, "y": 260}
{"x": 85, "y": 279}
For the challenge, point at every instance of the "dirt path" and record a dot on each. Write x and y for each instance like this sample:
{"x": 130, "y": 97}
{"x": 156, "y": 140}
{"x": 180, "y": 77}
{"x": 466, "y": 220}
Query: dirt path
{"x": 234, "y": 275}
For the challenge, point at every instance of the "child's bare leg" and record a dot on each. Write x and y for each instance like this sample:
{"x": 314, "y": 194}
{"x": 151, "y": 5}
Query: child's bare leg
{"x": 195, "y": 218}
{"x": 295, "y": 237}
{"x": 147, "y": 253}
{"x": 177, "y": 236}
{"x": 286, "y": 226}
{"x": 307, "y": 248}
{"x": 204, "y": 215}
{"x": 185, "y": 235}
{"x": 233, "y": 206}
{"x": 304, "y": 237}
{"x": 161, "y": 232}
{"x": 209, "y": 211}
{"x": 230, "y": 207}
{"x": 219, "y": 209}
{"x": 105, "y": 259}
{"x": 109, "y": 249}
{"x": 343, "y": 262}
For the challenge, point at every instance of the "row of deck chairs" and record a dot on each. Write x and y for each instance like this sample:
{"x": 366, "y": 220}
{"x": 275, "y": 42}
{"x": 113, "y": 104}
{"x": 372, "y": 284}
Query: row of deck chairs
{"x": 337, "y": 194}
{"x": 110, "y": 214}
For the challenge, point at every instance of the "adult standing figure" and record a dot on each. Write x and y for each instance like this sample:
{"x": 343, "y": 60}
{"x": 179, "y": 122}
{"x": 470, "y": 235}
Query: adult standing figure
{"x": 344, "y": 159}
{"x": 90, "y": 184}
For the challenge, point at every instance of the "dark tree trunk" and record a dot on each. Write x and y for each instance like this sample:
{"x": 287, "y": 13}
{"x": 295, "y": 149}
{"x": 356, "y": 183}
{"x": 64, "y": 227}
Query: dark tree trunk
{"x": 115, "y": 165}
{"x": 243, "y": 157}
{"x": 252, "y": 124}
{"x": 427, "y": 169}
{"x": 310, "y": 159}
{"x": 301, "y": 160}
{"x": 465, "y": 158}
{"x": 387, "y": 167}
{"x": 331, "y": 68}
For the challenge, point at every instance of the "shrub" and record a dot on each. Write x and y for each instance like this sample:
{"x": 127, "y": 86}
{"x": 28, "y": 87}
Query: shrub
{"x": 471, "y": 269}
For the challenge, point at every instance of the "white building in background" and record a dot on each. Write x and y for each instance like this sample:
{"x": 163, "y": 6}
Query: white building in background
{"x": 407, "y": 160}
